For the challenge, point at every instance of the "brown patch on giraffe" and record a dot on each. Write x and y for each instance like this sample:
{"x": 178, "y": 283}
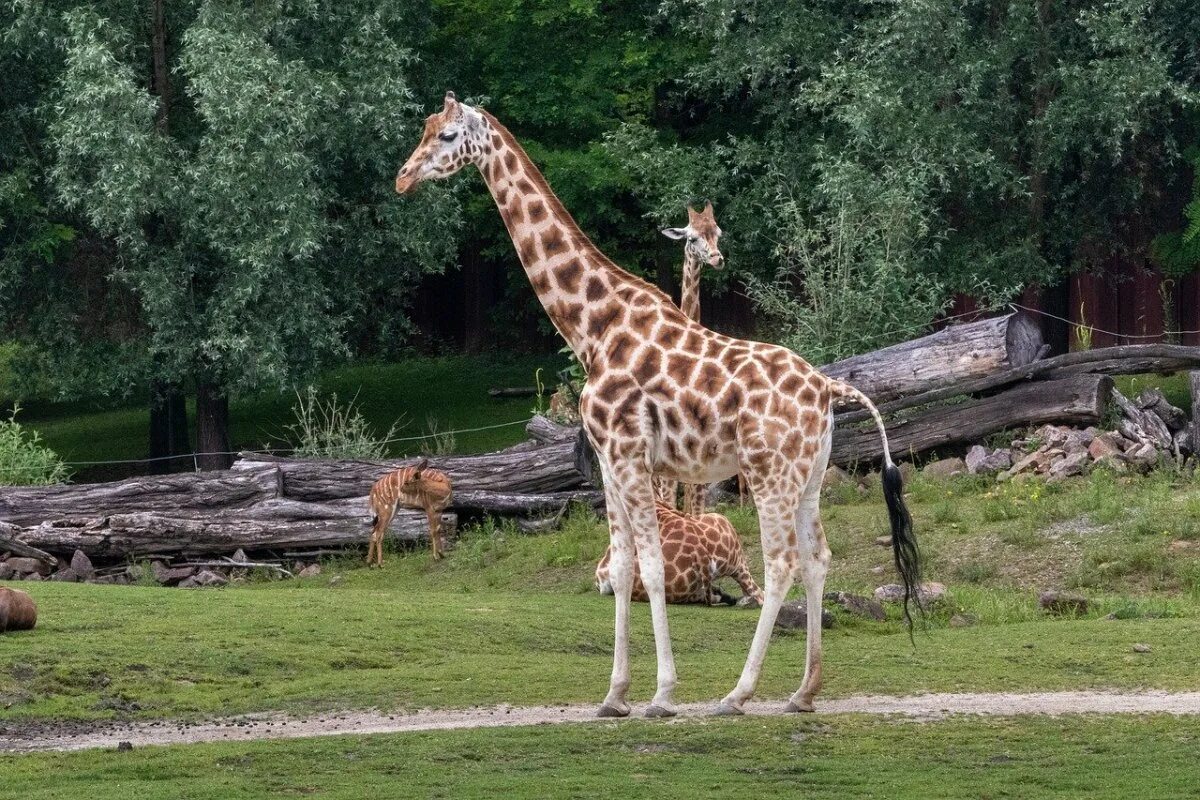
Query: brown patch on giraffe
{"x": 568, "y": 274}
{"x": 537, "y": 212}
{"x": 594, "y": 289}
{"x": 674, "y": 420}
{"x": 669, "y": 335}
{"x": 527, "y": 250}
{"x": 502, "y": 197}
{"x": 808, "y": 396}
{"x": 524, "y": 186}
{"x": 569, "y": 316}
{"x": 809, "y": 422}
{"x": 648, "y": 366}
{"x": 601, "y": 319}
{"x": 791, "y": 384}
{"x": 696, "y": 409}
{"x": 710, "y": 378}
{"x": 518, "y": 213}
{"x": 510, "y": 163}
{"x": 680, "y": 367}
{"x": 642, "y": 320}
{"x": 620, "y": 349}
{"x": 540, "y": 282}
{"x": 730, "y": 399}
{"x": 693, "y": 342}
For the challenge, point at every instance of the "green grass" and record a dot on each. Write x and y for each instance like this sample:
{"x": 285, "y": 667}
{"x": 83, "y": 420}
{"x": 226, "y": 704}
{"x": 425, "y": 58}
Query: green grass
{"x": 453, "y": 390}
{"x": 823, "y": 757}
{"x": 513, "y": 619}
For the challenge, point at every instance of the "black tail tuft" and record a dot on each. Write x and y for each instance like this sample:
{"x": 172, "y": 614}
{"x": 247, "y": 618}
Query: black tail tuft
{"x": 904, "y": 544}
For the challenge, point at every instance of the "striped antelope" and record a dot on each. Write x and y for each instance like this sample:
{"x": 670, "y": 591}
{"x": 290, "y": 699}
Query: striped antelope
{"x": 412, "y": 487}
{"x": 697, "y": 551}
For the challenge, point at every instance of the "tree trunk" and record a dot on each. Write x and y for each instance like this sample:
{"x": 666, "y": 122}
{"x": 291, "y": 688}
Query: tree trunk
{"x": 1080, "y": 399}
{"x": 212, "y": 428}
{"x": 183, "y": 494}
{"x": 168, "y": 428}
{"x": 952, "y": 355}
{"x": 160, "y": 84}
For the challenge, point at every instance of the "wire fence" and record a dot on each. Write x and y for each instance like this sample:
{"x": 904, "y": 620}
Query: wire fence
{"x": 195, "y": 457}
{"x": 1094, "y": 329}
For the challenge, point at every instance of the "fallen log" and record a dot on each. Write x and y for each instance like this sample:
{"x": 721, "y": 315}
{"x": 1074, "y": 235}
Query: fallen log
{"x": 513, "y": 391}
{"x": 10, "y": 543}
{"x": 1080, "y": 399}
{"x": 523, "y": 505}
{"x": 271, "y": 525}
{"x": 1132, "y": 359}
{"x": 185, "y": 492}
{"x": 527, "y": 470}
{"x": 952, "y": 355}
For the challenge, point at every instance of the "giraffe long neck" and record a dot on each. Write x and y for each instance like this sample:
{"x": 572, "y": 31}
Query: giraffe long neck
{"x": 689, "y": 294}
{"x": 569, "y": 274}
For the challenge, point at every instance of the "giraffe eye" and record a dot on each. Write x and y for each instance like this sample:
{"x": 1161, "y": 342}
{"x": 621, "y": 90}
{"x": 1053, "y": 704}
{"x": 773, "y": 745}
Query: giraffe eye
{"x": 448, "y": 136}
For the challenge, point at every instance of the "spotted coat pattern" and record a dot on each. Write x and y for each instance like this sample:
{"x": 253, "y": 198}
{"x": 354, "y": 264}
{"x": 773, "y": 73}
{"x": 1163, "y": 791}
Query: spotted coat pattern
{"x": 697, "y": 552}
{"x": 664, "y": 396}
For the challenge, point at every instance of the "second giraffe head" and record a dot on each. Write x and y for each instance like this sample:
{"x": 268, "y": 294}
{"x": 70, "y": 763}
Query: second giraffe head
{"x": 703, "y": 236}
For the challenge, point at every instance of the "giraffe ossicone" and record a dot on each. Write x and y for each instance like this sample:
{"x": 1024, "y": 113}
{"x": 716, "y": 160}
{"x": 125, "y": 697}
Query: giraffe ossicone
{"x": 666, "y": 395}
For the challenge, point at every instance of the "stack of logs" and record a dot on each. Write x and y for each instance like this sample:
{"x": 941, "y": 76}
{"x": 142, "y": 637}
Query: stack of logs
{"x": 282, "y": 506}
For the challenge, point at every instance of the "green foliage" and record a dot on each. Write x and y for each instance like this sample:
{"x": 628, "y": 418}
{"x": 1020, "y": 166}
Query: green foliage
{"x": 24, "y": 461}
{"x": 847, "y": 261}
{"x": 324, "y": 428}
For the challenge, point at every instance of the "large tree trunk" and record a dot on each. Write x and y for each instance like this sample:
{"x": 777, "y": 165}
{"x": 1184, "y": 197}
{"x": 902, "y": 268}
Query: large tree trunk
{"x": 522, "y": 469}
{"x": 168, "y": 428}
{"x": 952, "y": 355}
{"x": 183, "y": 493}
{"x": 1079, "y": 399}
{"x": 271, "y": 525}
{"x": 212, "y": 427}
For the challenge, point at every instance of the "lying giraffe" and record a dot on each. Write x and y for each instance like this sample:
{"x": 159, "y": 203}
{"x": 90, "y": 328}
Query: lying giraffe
{"x": 697, "y": 551}
{"x": 667, "y": 396}
{"x": 412, "y": 487}
{"x": 701, "y": 247}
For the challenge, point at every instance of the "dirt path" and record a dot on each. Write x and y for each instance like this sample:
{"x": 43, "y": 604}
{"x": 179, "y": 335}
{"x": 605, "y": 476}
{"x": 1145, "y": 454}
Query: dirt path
{"x": 18, "y": 738}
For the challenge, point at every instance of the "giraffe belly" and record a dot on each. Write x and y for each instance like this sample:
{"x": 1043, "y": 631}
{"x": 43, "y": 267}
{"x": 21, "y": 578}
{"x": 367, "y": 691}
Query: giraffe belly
{"x": 716, "y": 464}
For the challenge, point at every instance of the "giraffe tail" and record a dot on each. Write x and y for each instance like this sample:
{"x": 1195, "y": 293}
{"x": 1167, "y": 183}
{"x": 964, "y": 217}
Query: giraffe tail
{"x": 905, "y": 551}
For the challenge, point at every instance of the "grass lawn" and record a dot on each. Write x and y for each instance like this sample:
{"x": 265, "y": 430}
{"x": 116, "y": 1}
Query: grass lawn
{"x": 827, "y": 757}
{"x": 452, "y": 391}
{"x": 509, "y": 618}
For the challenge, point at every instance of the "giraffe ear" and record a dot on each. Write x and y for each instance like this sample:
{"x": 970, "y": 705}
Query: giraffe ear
{"x": 674, "y": 233}
{"x": 450, "y": 104}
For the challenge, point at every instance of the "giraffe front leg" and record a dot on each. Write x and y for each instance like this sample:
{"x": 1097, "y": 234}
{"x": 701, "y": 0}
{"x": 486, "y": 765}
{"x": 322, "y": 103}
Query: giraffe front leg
{"x": 435, "y": 520}
{"x": 620, "y": 581}
{"x": 637, "y": 499}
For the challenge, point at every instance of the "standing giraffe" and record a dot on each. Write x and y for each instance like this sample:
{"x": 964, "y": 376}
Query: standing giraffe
{"x": 666, "y": 395}
{"x": 701, "y": 247}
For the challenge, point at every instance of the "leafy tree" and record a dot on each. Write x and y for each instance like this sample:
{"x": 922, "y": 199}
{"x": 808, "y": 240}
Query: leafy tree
{"x": 240, "y": 158}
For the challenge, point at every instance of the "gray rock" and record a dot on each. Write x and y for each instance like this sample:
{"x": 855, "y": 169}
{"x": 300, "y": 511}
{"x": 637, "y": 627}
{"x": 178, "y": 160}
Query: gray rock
{"x": 928, "y": 593}
{"x": 975, "y": 457}
{"x": 176, "y": 574}
{"x": 858, "y": 605}
{"x": 944, "y": 468}
{"x": 963, "y": 621}
{"x": 336, "y": 580}
{"x": 82, "y": 565}
{"x": 65, "y": 575}
{"x": 187, "y": 583}
{"x": 135, "y": 572}
{"x": 208, "y": 577}
{"x": 6, "y": 571}
{"x": 108, "y": 579}
{"x": 794, "y": 616}
{"x": 1062, "y": 604}
{"x": 1106, "y": 444}
{"x": 33, "y": 576}
{"x": 24, "y": 566}
{"x": 980, "y": 462}
{"x": 239, "y": 556}
{"x": 311, "y": 571}
{"x": 160, "y": 571}
{"x": 1074, "y": 464}
{"x": 1141, "y": 647}
{"x": 883, "y": 541}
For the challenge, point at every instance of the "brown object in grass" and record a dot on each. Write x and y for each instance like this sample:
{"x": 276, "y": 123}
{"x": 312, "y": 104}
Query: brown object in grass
{"x": 18, "y": 612}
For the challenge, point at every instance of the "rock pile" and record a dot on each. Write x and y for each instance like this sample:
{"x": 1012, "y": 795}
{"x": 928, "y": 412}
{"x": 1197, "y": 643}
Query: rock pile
{"x": 183, "y": 574}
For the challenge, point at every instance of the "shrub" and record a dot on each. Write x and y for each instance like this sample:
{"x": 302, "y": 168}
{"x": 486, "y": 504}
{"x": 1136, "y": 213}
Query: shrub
{"x": 327, "y": 429}
{"x": 24, "y": 461}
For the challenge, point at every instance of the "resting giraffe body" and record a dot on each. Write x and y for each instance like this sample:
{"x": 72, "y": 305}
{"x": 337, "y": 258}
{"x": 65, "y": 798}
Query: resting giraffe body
{"x": 666, "y": 395}
{"x": 701, "y": 247}
{"x": 697, "y": 551}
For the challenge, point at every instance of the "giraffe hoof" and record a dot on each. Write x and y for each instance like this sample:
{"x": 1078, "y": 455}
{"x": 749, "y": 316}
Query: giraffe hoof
{"x": 803, "y": 707}
{"x": 612, "y": 712}
{"x": 658, "y": 712}
{"x": 728, "y": 710}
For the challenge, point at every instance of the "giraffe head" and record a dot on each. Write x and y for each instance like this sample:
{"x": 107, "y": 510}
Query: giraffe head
{"x": 453, "y": 138}
{"x": 703, "y": 236}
